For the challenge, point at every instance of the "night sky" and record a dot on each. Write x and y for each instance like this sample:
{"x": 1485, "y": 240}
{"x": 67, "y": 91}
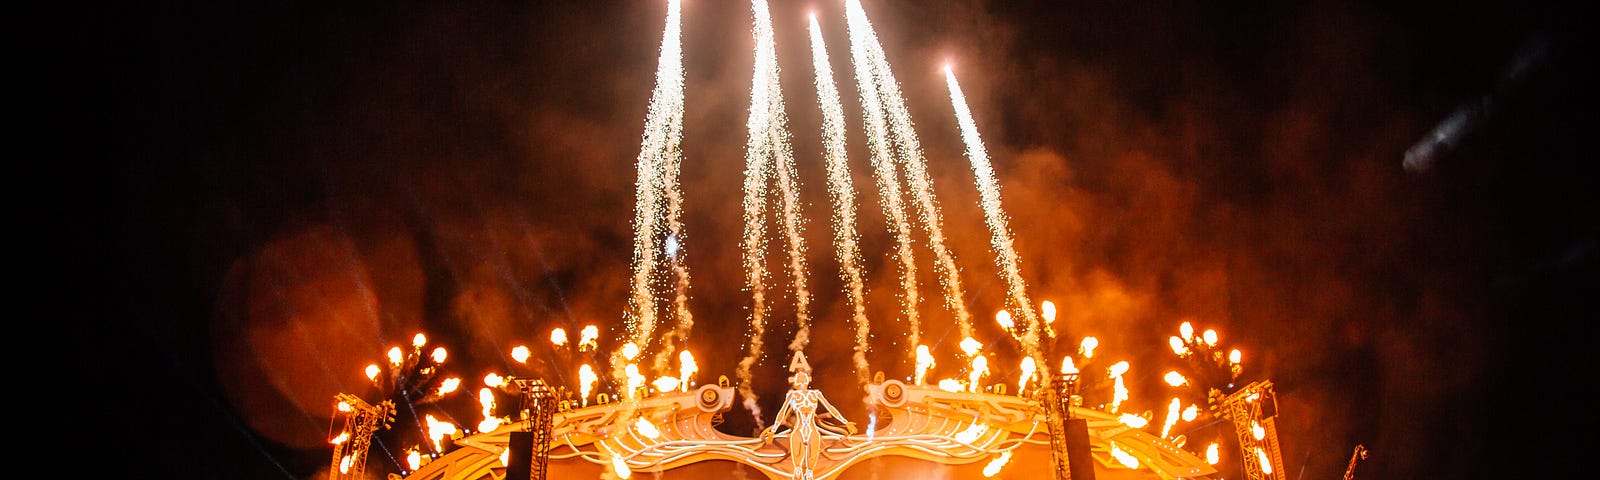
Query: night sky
{"x": 280, "y": 191}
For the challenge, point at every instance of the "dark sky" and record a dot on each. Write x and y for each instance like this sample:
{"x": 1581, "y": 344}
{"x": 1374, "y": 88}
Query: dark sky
{"x": 289, "y": 188}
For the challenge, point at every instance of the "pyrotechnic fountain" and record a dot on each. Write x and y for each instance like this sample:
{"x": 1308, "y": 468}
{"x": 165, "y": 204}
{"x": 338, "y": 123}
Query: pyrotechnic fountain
{"x": 668, "y": 425}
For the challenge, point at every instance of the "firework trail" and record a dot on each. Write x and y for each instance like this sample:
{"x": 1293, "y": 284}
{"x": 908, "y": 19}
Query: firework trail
{"x": 767, "y": 154}
{"x": 839, "y": 187}
{"x": 909, "y": 151}
{"x": 1000, "y": 234}
{"x": 658, "y": 154}
{"x": 883, "y": 166}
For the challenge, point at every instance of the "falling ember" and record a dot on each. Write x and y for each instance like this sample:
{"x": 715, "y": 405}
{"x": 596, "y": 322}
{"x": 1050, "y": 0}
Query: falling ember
{"x": 994, "y": 466}
{"x": 970, "y": 346}
{"x": 1088, "y": 346}
{"x": 1190, "y": 413}
{"x": 972, "y": 433}
{"x": 1175, "y": 379}
{"x": 1132, "y": 420}
{"x": 520, "y": 353}
{"x": 1212, "y": 456}
{"x": 1266, "y": 465}
{"x": 1172, "y": 417}
{"x": 1234, "y": 356}
{"x": 343, "y": 436}
{"x": 1187, "y": 330}
{"x": 846, "y": 244}
{"x": 999, "y": 232}
{"x": 449, "y": 385}
{"x": 980, "y": 368}
{"x": 1178, "y": 346}
{"x": 372, "y": 372}
{"x": 665, "y": 384}
{"x": 646, "y": 428}
{"x": 1256, "y": 430}
{"x": 588, "y": 338}
{"x": 1210, "y": 337}
{"x": 486, "y": 399}
{"x": 950, "y": 385}
{"x": 924, "y": 362}
{"x": 438, "y": 355}
{"x": 419, "y": 340}
{"x": 1028, "y": 367}
{"x": 558, "y": 337}
{"x": 395, "y": 356}
{"x": 1125, "y": 458}
{"x": 686, "y": 369}
{"x": 586, "y": 382}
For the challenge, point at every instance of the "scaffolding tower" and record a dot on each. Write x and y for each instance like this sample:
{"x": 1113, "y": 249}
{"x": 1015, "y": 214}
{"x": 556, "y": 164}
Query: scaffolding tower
{"x": 361, "y": 420}
{"x": 1252, "y": 410}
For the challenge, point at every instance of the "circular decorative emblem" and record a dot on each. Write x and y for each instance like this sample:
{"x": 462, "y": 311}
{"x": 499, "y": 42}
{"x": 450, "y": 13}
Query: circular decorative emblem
{"x": 893, "y": 393}
{"x": 710, "y": 398}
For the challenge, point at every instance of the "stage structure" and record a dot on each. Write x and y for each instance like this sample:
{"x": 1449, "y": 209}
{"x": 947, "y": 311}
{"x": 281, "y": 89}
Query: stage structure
{"x": 361, "y": 420}
{"x": 666, "y": 427}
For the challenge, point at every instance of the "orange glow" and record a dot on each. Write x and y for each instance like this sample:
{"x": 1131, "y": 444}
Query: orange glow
{"x": 343, "y": 436}
{"x": 1257, "y": 431}
{"x": 1187, "y": 331}
{"x": 1132, "y": 420}
{"x": 971, "y": 433}
{"x": 1028, "y": 368}
{"x": 344, "y": 407}
{"x": 437, "y": 430}
{"x": 1067, "y": 366}
{"x": 520, "y": 353}
{"x": 1266, "y": 465}
{"x": 372, "y": 372}
{"x": 439, "y": 355}
{"x": 1178, "y": 346}
{"x": 1048, "y": 310}
{"x": 666, "y": 384}
{"x": 1119, "y": 368}
{"x": 980, "y": 368}
{"x": 1211, "y": 454}
{"x": 344, "y": 464}
{"x": 1004, "y": 319}
{"x": 1190, "y": 413}
{"x": 635, "y": 379}
{"x": 489, "y": 423}
{"x": 1172, "y": 416}
{"x": 1087, "y": 347}
{"x": 950, "y": 385}
{"x": 1210, "y": 337}
{"x": 558, "y": 337}
{"x": 1234, "y": 356}
{"x": 395, "y": 356}
{"x": 414, "y": 458}
{"x": 630, "y": 351}
{"x": 419, "y": 340}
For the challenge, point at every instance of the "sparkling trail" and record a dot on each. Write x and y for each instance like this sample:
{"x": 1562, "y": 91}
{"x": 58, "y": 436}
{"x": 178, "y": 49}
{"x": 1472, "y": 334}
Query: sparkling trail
{"x": 883, "y": 164}
{"x": 910, "y": 157}
{"x": 658, "y": 153}
{"x": 847, "y": 245}
{"x": 994, "y": 215}
{"x": 759, "y": 150}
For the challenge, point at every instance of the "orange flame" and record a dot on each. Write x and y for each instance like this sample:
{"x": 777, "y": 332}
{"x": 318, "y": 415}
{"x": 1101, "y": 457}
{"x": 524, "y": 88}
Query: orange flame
{"x": 558, "y": 336}
{"x": 520, "y": 353}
